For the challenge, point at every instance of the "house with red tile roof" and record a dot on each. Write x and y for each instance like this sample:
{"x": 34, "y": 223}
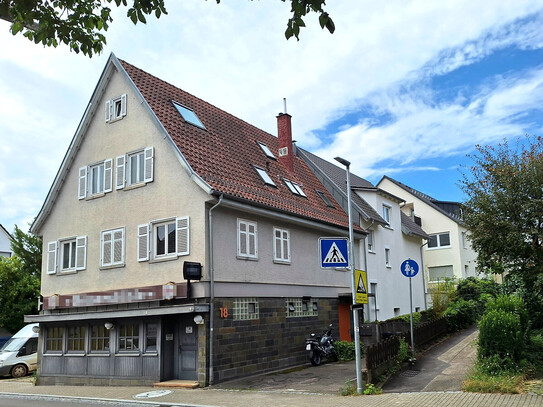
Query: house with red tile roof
{"x": 393, "y": 237}
{"x": 181, "y": 242}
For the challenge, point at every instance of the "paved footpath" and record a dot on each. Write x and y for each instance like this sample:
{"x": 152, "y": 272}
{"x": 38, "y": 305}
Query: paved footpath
{"x": 240, "y": 398}
{"x": 441, "y": 368}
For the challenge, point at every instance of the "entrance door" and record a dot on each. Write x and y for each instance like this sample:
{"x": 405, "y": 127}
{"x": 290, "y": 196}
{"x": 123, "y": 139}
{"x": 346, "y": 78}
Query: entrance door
{"x": 344, "y": 322}
{"x": 188, "y": 350}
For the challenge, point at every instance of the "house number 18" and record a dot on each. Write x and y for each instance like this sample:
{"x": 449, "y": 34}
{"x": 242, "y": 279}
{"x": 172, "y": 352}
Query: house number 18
{"x": 224, "y": 312}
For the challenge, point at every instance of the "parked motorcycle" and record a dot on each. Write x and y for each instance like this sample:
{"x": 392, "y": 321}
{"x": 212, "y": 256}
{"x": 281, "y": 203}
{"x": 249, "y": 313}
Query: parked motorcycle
{"x": 319, "y": 347}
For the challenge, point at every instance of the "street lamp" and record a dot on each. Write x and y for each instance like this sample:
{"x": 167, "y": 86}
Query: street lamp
{"x": 347, "y": 164}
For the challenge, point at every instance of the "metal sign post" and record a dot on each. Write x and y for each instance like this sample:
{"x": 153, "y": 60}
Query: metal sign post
{"x": 410, "y": 268}
{"x": 356, "y": 328}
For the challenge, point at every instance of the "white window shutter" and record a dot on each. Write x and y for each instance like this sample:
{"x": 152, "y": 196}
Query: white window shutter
{"x": 123, "y": 105}
{"x": 183, "y": 238}
{"x": 82, "y": 192}
{"x": 119, "y": 178}
{"x": 108, "y": 110}
{"x": 106, "y": 248}
{"x": 143, "y": 242}
{"x": 108, "y": 175}
{"x": 81, "y": 253}
{"x": 118, "y": 246}
{"x": 149, "y": 163}
{"x": 51, "y": 257}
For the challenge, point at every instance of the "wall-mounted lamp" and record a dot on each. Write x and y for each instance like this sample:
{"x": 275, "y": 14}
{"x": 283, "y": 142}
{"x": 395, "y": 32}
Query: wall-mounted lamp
{"x": 36, "y": 329}
{"x": 198, "y": 320}
{"x": 108, "y": 325}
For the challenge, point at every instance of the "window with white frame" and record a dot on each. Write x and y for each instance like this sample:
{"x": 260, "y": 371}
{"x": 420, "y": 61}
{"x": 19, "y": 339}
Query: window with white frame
{"x": 245, "y": 309}
{"x": 95, "y": 179}
{"x": 387, "y": 257}
{"x": 440, "y": 272}
{"x": 386, "y": 213}
{"x": 294, "y": 188}
{"x": 164, "y": 239}
{"x": 369, "y": 241}
{"x": 247, "y": 239}
{"x": 439, "y": 240}
{"x": 281, "y": 247}
{"x": 266, "y": 150}
{"x": 67, "y": 255}
{"x": 134, "y": 168}
{"x": 112, "y": 247}
{"x": 115, "y": 109}
{"x": 301, "y": 307}
{"x": 264, "y": 176}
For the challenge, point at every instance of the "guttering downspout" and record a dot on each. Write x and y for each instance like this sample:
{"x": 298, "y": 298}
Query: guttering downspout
{"x": 423, "y": 275}
{"x": 211, "y": 288}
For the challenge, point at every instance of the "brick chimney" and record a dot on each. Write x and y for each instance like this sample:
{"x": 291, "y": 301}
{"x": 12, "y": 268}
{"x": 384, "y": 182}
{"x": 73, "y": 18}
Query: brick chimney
{"x": 284, "y": 134}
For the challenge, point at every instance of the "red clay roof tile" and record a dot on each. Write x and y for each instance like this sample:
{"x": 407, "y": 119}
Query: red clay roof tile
{"x": 224, "y": 154}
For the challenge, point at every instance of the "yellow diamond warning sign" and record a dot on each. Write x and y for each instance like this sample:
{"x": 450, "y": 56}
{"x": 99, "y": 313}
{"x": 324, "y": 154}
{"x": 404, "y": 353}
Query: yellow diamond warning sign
{"x": 361, "y": 281}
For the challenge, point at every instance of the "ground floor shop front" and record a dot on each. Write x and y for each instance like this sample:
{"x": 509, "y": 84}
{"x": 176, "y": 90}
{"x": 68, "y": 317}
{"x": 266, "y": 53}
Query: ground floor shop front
{"x": 155, "y": 342}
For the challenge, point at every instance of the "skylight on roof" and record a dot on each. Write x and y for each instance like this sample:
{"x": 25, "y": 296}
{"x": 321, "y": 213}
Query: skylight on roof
{"x": 326, "y": 200}
{"x": 188, "y": 115}
{"x": 264, "y": 175}
{"x": 266, "y": 150}
{"x": 294, "y": 188}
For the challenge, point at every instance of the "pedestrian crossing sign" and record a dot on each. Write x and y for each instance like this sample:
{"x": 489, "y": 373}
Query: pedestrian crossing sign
{"x": 361, "y": 286}
{"x": 333, "y": 252}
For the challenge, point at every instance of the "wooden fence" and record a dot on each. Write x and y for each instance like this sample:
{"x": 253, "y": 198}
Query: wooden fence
{"x": 387, "y": 350}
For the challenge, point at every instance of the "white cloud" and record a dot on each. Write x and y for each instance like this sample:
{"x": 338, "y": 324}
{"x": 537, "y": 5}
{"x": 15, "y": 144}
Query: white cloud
{"x": 235, "y": 56}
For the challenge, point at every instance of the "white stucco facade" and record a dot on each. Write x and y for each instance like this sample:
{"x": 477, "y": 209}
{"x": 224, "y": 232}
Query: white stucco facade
{"x": 452, "y": 255}
{"x": 5, "y": 243}
{"x": 385, "y": 280}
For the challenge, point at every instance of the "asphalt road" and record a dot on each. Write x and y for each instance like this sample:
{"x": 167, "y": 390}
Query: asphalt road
{"x": 34, "y": 401}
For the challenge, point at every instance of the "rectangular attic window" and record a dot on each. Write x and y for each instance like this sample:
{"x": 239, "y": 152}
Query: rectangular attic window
{"x": 326, "y": 200}
{"x": 264, "y": 175}
{"x": 188, "y": 115}
{"x": 294, "y": 187}
{"x": 266, "y": 150}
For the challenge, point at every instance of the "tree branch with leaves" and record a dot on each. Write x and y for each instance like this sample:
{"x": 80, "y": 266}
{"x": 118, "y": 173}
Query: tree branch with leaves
{"x": 81, "y": 24}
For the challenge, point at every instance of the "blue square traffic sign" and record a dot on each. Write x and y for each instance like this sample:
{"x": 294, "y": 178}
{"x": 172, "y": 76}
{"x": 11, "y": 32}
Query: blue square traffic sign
{"x": 334, "y": 252}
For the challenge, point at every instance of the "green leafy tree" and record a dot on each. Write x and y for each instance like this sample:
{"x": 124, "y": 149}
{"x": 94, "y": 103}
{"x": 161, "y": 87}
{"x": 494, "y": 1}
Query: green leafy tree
{"x": 81, "y": 24}
{"x": 20, "y": 280}
{"x": 504, "y": 212}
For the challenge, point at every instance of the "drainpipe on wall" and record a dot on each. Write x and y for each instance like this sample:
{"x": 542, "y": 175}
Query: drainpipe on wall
{"x": 211, "y": 289}
{"x": 423, "y": 274}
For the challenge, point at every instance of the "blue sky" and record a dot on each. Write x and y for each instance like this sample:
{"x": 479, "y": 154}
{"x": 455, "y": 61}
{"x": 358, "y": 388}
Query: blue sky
{"x": 402, "y": 88}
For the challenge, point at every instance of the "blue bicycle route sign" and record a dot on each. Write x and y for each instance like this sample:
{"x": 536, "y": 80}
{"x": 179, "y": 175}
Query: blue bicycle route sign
{"x": 333, "y": 252}
{"x": 409, "y": 268}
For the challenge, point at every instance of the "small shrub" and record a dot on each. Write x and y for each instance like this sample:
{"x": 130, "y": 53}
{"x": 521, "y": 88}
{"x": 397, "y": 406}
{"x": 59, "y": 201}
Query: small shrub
{"x": 403, "y": 352}
{"x": 417, "y": 316}
{"x": 372, "y": 389}
{"x": 347, "y": 350}
{"x": 500, "y": 335}
{"x": 461, "y": 314}
{"x": 514, "y": 305}
{"x": 349, "y": 389}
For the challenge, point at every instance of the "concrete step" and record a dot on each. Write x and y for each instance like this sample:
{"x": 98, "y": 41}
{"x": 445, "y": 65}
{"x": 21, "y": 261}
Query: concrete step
{"x": 180, "y": 384}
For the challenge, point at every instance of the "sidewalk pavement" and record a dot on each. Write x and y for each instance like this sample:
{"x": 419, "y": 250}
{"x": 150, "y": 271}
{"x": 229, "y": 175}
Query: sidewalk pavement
{"x": 284, "y": 398}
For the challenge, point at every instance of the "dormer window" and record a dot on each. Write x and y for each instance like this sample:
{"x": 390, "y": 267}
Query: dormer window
{"x": 264, "y": 175}
{"x": 115, "y": 109}
{"x": 266, "y": 150}
{"x": 188, "y": 115}
{"x": 294, "y": 188}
